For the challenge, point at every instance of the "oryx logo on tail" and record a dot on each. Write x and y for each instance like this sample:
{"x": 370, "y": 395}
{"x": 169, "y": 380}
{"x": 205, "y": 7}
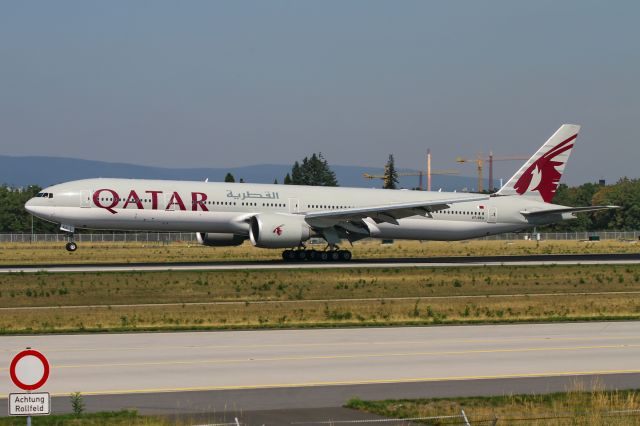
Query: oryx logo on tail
{"x": 539, "y": 177}
{"x": 543, "y": 175}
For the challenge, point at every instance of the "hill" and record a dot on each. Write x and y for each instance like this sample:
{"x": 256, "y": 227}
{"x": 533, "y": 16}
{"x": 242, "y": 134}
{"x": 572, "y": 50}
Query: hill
{"x": 45, "y": 171}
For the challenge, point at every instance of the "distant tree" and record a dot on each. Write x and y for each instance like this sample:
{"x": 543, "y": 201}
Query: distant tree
{"x": 241, "y": 180}
{"x": 287, "y": 179}
{"x": 275, "y": 181}
{"x": 229, "y": 178}
{"x": 313, "y": 171}
{"x": 296, "y": 174}
{"x": 390, "y": 174}
{"x": 625, "y": 194}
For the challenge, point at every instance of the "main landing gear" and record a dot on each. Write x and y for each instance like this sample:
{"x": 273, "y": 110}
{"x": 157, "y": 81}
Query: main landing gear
{"x": 300, "y": 255}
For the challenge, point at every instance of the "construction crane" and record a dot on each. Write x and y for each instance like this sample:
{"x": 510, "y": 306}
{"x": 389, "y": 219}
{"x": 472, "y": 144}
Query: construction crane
{"x": 420, "y": 174}
{"x": 479, "y": 160}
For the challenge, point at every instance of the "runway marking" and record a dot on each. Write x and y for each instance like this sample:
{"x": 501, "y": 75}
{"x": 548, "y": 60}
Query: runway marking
{"x": 342, "y": 300}
{"x": 340, "y": 344}
{"x": 80, "y": 268}
{"x": 350, "y": 382}
{"x": 341, "y": 357}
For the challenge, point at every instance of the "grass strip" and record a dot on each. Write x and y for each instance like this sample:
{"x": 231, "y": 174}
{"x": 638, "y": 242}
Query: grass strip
{"x": 119, "y": 288}
{"x": 116, "y": 418}
{"x": 132, "y": 252}
{"x": 186, "y": 300}
{"x": 575, "y": 407}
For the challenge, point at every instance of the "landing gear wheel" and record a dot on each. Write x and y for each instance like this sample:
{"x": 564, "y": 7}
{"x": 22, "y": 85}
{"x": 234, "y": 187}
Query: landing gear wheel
{"x": 71, "y": 246}
{"x": 301, "y": 254}
{"x": 334, "y": 255}
{"x": 345, "y": 255}
{"x": 287, "y": 255}
{"x": 324, "y": 256}
{"x": 312, "y": 255}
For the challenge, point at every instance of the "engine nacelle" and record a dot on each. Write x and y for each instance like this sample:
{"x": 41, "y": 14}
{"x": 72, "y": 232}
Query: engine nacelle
{"x": 215, "y": 239}
{"x": 278, "y": 230}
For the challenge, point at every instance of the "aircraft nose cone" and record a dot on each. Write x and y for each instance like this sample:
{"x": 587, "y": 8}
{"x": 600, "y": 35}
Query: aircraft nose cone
{"x": 34, "y": 206}
{"x": 28, "y": 206}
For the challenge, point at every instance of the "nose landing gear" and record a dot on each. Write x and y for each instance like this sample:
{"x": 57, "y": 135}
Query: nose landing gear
{"x": 69, "y": 230}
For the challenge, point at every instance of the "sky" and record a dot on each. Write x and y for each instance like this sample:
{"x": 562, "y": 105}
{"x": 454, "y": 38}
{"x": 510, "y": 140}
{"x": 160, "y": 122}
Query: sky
{"x": 233, "y": 83}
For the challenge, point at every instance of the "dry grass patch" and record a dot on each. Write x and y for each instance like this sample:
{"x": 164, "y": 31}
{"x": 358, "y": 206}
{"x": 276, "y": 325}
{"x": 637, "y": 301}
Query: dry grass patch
{"x": 45, "y": 302}
{"x": 116, "y": 418}
{"x": 320, "y": 313}
{"x": 97, "y": 252}
{"x": 573, "y": 408}
{"x": 115, "y": 288}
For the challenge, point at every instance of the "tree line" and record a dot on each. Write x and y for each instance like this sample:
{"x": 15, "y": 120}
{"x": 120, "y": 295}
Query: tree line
{"x": 14, "y": 218}
{"x": 625, "y": 193}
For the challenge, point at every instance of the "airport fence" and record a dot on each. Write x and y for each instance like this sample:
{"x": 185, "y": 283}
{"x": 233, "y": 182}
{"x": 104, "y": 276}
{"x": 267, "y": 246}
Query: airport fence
{"x": 576, "y": 236}
{"x": 168, "y": 237}
{"x": 617, "y": 417}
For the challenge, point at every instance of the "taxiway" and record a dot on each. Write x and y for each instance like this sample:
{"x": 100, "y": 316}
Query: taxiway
{"x": 551, "y": 259}
{"x": 286, "y": 369}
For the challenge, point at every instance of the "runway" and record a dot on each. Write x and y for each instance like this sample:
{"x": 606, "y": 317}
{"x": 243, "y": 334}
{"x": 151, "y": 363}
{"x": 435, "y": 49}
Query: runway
{"x": 287, "y": 369}
{"x": 551, "y": 259}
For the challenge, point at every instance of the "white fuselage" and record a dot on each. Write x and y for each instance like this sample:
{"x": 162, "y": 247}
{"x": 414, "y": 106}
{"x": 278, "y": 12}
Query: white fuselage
{"x": 162, "y": 205}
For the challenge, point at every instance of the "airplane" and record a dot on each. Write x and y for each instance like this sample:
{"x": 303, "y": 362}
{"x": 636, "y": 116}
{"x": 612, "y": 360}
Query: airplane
{"x": 288, "y": 216}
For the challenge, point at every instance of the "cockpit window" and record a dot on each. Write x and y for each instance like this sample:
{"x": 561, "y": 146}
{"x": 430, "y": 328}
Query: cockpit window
{"x": 44, "y": 194}
{"x": 50, "y": 195}
{"x": 40, "y": 194}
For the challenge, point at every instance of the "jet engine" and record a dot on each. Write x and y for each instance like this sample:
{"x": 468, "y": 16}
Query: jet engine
{"x": 215, "y": 239}
{"x": 278, "y": 230}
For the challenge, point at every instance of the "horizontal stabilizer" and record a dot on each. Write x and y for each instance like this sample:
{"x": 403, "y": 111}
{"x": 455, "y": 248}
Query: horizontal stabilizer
{"x": 568, "y": 210}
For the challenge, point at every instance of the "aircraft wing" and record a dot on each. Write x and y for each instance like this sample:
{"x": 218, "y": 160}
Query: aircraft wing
{"x": 567, "y": 210}
{"x": 389, "y": 213}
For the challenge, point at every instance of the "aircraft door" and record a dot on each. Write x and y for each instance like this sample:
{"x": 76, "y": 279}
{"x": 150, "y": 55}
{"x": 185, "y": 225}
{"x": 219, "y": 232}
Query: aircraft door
{"x": 294, "y": 205}
{"x": 85, "y": 198}
{"x": 492, "y": 217}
